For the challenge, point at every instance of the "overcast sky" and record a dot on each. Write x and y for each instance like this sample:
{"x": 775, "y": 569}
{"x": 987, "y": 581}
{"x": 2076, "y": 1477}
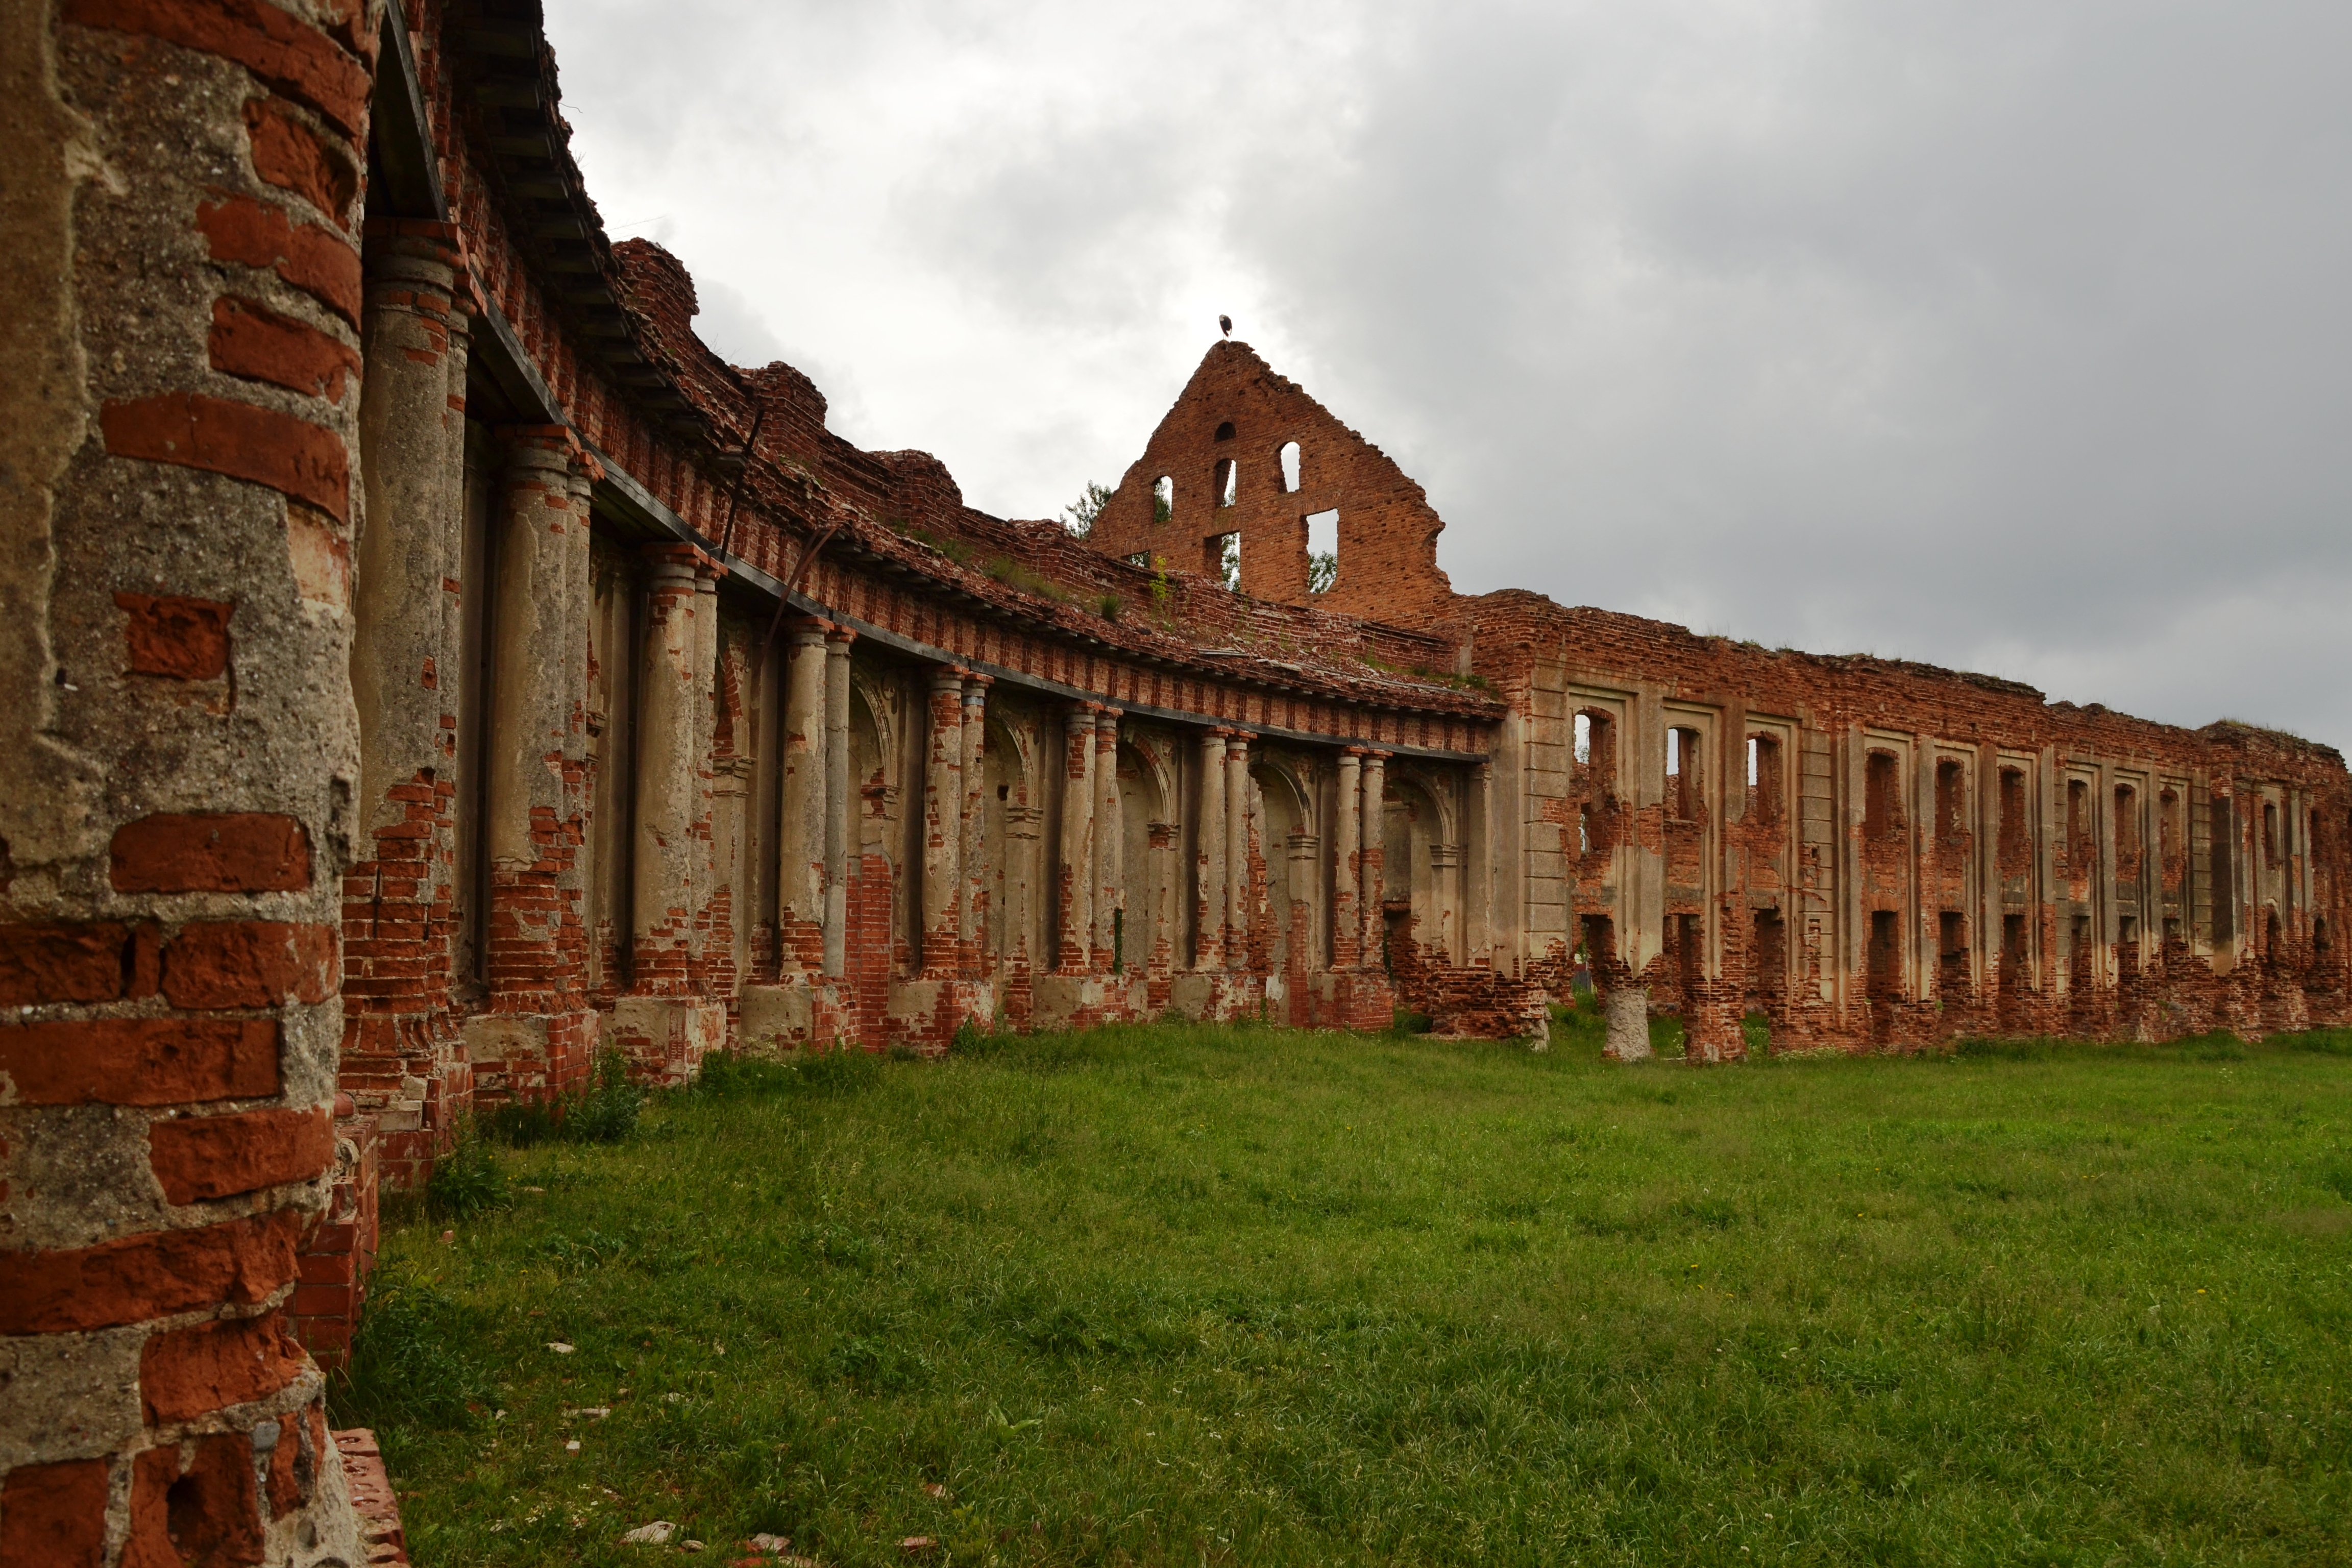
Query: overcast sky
{"x": 2005, "y": 335}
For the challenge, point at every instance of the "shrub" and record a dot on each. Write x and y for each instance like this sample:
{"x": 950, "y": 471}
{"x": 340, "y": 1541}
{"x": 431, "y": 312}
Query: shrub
{"x": 466, "y": 1181}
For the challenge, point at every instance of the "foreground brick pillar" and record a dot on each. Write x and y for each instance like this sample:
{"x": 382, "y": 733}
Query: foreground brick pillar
{"x": 1237, "y": 900}
{"x": 1073, "y": 888}
{"x": 535, "y": 1041}
{"x": 403, "y": 1062}
{"x": 802, "y": 871}
{"x": 975, "y": 912}
{"x": 1347, "y": 916}
{"x": 1209, "y": 856}
{"x": 839, "y": 801}
{"x": 1110, "y": 880}
{"x": 1371, "y": 855}
{"x": 942, "y": 881}
{"x": 180, "y": 767}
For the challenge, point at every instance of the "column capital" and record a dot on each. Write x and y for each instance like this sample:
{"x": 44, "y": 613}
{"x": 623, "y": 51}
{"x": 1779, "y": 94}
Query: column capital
{"x": 809, "y": 631}
{"x": 1081, "y": 715}
{"x": 975, "y": 690}
{"x": 1109, "y": 717}
{"x": 947, "y": 678}
{"x": 1357, "y": 751}
{"x": 839, "y": 636}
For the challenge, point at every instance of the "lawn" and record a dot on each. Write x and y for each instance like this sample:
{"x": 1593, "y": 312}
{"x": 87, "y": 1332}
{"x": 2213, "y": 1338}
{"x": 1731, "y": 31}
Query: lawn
{"x": 1187, "y": 1294}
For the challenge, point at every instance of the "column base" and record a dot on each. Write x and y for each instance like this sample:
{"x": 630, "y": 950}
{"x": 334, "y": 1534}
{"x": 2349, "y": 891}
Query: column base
{"x": 923, "y": 1015}
{"x": 802, "y": 1011}
{"x": 666, "y": 1037}
{"x": 528, "y": 1057}
{"x": 1218, "y": 995}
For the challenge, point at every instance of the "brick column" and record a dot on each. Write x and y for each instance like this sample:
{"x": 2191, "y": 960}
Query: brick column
{"x": 838, "y": 800}
{"x": 1237, "y": 900}
{"x": 975, "y": 912}
{"x": 703, "y": 735}
{"x": 942, "y": 882}
{"x": 1110, "y": 883}
{"x": 401, "y": 1063}
{"x": 181, "y": 768}
{"x": 1347, "y": 916}
{"x": 803, "y": 869}
{"x": 1208, "y": 860}
{"x": 661, "y": 890}
{"x": 1073, "y": 890}
{"x": 1370, "y": 857}
{"x": 534, "y": 757}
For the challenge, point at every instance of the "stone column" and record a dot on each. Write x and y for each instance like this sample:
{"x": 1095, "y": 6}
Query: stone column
{"x": 661, "y": 890}
{"x": 838, "y": 800}
{"x": 1073, "y": 890}
{"x": 802, "y": 868}
{"x": 530, "y": 704}
{"x": 399, "y": 1057}
{"x": 1347, "y": 915}
{"x": 975, "y": 912}
{"x": 1237, "y": 900}
{"x": 943, "y": 823}
{"x": 1110, "y": 880}
{"x": 1373, "y": 854}
{"x": 1208, "y": 842}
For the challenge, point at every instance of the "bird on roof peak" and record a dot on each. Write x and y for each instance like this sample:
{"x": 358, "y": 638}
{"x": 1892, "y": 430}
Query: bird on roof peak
{"x": 1225, "y": 325}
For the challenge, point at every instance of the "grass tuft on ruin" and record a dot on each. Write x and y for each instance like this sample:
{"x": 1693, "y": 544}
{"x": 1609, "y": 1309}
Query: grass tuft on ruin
{"x": 1181, "y": 1293}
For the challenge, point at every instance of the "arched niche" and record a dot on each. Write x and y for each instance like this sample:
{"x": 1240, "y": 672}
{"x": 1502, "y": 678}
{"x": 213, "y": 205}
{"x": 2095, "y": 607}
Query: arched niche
{"x": 1147, "y": 851}
{"x": 1422, "y": 860}
{"x": 1282, "y": 809}
{"x": 1008, "y": 837}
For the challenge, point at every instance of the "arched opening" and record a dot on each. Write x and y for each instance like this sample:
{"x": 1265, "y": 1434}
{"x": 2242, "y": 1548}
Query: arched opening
{"x": 1419, "y": 863}
{"x": 1144, "y": 925}
{"x": 1226, "y": 431}
{"x": 1008, "y": 837}
{"x": 1163, "y": 498}
{"x": 1228, "y": 482}
{"x": 1285, "y": 844}
{"x": 1290, "y": 465}
{"x": 880, "y": 934}
{"x": 1322, "y": 550}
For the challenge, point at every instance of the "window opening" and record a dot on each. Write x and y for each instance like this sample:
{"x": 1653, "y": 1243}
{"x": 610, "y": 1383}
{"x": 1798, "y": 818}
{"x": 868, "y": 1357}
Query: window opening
{"x": 1673, "y": 753}
{"x": 1882, "y": 809}
{"x": 1584, "y": 739}
{"x": 1225, "y": 559}
{"x": 1226, "y": 431}
{"x": 2078, "y": 831}
{"x": 1290, "y": 467}
{"x": 1163, "y": 498}
{"x": 2127, "y": 822}
{"x": 1764, "y": 778}
{"x": 1584, "y": 830}
{"x": 1951, "y": 808}
{"x": 2269, "y": 832}
{"x": 2222, "y": 870}
{"x": 1141, "y": 558}
{"x": 1322, "y": 550}
{"x": 1228, "y": 480}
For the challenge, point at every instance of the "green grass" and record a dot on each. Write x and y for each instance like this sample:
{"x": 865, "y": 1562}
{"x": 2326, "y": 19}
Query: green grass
{"x": 1207, "y": 1294}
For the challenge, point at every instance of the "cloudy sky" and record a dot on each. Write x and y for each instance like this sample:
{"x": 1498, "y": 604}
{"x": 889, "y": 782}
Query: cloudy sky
{"x": 2002, "y": 334}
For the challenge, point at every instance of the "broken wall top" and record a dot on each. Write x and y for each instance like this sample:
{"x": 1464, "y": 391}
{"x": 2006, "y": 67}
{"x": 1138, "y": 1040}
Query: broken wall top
{"x": 1226, "y": 435}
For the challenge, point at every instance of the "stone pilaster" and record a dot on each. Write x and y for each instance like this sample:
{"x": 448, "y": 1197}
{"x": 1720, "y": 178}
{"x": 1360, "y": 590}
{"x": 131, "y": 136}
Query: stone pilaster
{"x": 1347, "y": 914}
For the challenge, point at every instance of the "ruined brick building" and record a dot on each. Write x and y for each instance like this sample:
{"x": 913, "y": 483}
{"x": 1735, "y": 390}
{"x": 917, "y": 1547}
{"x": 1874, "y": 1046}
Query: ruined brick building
{"x": 427, "y": 663}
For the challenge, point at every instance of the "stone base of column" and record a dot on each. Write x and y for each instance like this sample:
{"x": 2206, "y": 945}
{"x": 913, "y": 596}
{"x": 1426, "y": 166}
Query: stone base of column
{"x": 1081, "y": 1001}
{"x": 529, "y": 1057}
{"x": 411, "y": 1075}
{"x": 1219, "y": 995}
{"x": 666, "y": 1037}
{"x": 923, "y": 1015}
{"x": 800, "y": 1013}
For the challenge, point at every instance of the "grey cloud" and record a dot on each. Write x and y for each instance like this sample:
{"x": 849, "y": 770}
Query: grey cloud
{"x": 2003, "y": 335}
